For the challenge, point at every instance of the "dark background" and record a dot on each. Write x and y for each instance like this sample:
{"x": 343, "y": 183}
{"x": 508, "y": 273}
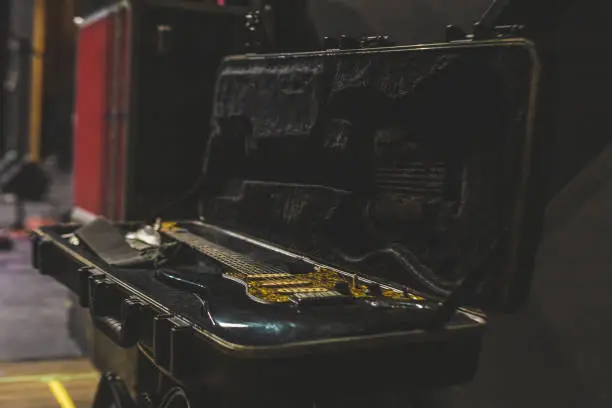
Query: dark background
{"x": 583, "y": 43}
{"x": 556, "y": 351}
{"x": 4, "y": 23}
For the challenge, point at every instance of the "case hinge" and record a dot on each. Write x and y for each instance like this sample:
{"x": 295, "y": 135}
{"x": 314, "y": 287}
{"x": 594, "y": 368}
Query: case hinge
{"x": 256, "y": 38}
{"x": 482, "y": 32}
{"x": 345, "y": 42}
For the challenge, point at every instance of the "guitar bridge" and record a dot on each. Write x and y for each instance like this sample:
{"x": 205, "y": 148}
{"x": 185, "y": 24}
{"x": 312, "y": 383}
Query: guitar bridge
{"x": 285, "y": 282}
{"x": 320, "y": 298}
{"x": 255, "y": 276}
{"x": 296, "y": 290}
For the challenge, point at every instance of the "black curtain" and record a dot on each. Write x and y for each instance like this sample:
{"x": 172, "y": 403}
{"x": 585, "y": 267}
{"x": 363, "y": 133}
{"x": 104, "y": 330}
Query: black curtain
{"x": 556, "y": 351}
{"x": 4, "y": 27}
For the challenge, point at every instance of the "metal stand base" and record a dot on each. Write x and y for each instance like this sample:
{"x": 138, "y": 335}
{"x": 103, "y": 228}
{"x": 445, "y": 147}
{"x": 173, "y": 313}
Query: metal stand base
{"x": 20, "y": 215}
{"x": 7, "y": 242}
{"x": 112, "y": 393}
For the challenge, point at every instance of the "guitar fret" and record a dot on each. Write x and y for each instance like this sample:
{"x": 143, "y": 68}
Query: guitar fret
{"x": 229, "y": 258}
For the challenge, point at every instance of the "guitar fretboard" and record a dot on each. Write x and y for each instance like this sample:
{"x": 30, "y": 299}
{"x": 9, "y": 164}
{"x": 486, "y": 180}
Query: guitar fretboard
{"x": 234, "y": 260}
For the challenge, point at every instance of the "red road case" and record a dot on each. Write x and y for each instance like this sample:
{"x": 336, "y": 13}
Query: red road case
{"x": 101, "y": 89}
{"x": 144, "y": 79}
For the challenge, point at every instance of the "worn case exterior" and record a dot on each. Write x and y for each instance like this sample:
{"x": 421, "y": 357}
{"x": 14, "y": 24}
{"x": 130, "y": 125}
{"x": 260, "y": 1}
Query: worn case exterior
{"x": 132, "y": 308}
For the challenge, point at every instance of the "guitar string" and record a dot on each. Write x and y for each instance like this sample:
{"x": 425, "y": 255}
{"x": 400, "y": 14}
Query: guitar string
{"x": 228, "y": 257}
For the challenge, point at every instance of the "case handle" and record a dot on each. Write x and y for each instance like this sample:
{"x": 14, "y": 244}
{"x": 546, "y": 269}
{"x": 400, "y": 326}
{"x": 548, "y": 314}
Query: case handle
{"x": 122, "y": 329}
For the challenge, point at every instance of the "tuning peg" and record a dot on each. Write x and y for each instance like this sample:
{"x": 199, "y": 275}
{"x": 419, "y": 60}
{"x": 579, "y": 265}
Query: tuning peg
{"x": 347, "y": 43}
{"x": 330, "y": 43}
{"x": 454, "y": 33}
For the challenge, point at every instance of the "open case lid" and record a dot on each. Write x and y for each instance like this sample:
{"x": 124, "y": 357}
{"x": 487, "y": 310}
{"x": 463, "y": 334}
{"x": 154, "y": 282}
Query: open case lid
{"x": 407, "y": 163}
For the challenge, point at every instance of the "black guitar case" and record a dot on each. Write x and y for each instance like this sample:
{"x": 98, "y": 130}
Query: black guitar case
{"x": 413, "y": 172}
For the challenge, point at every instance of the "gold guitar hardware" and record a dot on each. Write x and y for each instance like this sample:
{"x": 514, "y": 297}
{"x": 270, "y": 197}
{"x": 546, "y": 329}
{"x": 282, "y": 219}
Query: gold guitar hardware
{"x": 268, "y": 284}
{"x": 285, "y": 282}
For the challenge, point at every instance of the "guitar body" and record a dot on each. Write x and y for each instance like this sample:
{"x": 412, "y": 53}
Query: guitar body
{"x": 287, "y": 299}
{"x": 237, "y": 318}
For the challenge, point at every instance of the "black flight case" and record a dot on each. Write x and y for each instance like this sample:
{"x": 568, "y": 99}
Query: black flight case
{"x": 362, "y": 213}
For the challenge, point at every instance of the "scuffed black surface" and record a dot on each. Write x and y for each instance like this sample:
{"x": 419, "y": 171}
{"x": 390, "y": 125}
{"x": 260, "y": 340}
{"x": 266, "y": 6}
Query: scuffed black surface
{"x": 403, "y": 164}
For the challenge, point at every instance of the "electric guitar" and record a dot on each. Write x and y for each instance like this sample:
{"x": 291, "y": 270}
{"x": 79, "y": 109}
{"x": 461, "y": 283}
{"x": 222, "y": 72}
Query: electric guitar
{"x": 270, "y": 284}
{"x": 253, "y": 302}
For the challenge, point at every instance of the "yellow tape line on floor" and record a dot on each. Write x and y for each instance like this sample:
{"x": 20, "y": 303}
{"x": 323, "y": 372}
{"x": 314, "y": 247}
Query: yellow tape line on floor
{"x": 49, "y": 378}
{"x": 61, "y": 395}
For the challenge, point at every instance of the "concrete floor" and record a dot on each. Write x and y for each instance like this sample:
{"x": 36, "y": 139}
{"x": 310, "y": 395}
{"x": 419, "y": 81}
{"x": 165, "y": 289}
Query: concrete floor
{"x": 33, "y": 311}
{"x": 33, "y": 308}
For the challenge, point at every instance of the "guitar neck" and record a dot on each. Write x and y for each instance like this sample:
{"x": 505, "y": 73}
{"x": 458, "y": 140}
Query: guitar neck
{"x": 229, "y": 258}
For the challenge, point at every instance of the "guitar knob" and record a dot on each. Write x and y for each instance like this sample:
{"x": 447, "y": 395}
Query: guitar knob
{"x": 348, "y": 43}
{"x": 374, "y": 290}
{"x": 331, "y": 43}
{"x": 343, "y": 288}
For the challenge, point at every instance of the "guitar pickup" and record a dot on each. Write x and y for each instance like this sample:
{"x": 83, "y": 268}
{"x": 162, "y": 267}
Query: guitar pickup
{"x": 285, "y": 283}
{"x": 327, "y": 297}
{"x": 302, "y": 290}
{"x": 269, "y": 275}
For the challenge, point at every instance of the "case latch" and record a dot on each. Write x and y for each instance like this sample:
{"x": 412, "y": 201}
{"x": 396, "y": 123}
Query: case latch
{"x": 255, "y": 32}
{"x": 483, "y": 32}
{"x": 118, "y": 318}
{"x": 486, "y": 28}
{"x": 345, "y": 42}
{"x": 171, "y": 337}
{"x": 373, "y": 41}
